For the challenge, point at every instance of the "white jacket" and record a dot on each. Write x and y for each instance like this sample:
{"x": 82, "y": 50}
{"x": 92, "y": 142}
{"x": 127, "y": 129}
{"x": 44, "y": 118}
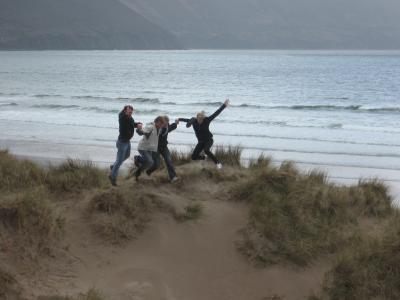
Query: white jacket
{"x": 149, "y": 142}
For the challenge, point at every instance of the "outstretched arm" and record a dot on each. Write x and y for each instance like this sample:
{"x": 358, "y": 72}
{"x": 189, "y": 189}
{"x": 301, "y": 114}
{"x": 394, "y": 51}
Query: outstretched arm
{"x": 216, "y": 114}
{"x": 189, "y": 122}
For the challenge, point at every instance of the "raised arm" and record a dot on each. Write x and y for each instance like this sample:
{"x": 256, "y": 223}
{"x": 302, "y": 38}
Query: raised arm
{"x": 216, "y": 114}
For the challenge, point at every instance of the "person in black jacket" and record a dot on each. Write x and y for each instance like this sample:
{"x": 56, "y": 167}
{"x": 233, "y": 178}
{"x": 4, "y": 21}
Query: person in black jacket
{"x": 127, "y": 127}
{"x": 164, "y": 151}
{"x": 201, "y": 126}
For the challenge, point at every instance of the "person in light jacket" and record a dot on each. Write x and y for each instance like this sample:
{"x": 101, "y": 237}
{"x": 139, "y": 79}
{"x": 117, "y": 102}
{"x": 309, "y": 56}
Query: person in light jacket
{"x": 164, "y": 151}
{"x": 148, "y": 146}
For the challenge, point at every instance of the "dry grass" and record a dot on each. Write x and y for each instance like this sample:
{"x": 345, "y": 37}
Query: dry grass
{"x": 192, "y": 211}
{"x": 297, "y": 217}
{"x": 18, "y": 174}
{"x": 369, "y": 269}
{"x": 120, "y": 214}
{"x": 31, "y": 220}
{"x": 181, "y": 157}
{"x": 229, "y": 155}
{"x": 75, "y": 176}
{"x": 9, "y": 288}
{"x": 92, "y": 294}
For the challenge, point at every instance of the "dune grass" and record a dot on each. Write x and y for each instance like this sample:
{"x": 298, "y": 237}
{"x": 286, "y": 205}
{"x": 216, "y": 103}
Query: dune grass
{"x": 181, "y": 157}
{"x": 192, "y": 211}
{"x": 9, "y": 288}
{"x": 91, "y": 294}
{"x": 30, "y": 218}
{"x": 118, "y": 215}
{"x": 74, "y": 176}
{"x": 229, "y": 155}
{"x": 369, "y": 269}
{"x": 295, "y": 218}
{"x": 18, "y": 174}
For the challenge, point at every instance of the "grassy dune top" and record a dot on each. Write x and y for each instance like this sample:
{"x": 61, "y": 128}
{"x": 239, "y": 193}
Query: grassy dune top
{"x": 294, "y": 219}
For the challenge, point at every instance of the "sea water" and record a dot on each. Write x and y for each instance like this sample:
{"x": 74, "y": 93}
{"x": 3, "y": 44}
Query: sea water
{"x": 324, "y": 109}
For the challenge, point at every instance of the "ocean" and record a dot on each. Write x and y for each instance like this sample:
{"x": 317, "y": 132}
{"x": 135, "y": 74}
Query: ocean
{"x": 334, "y": 110}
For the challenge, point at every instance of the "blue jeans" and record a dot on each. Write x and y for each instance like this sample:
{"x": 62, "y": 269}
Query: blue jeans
{"x": 123, "y": 153}
{"x": 145, "y": 159}
{"x": 168, "y": 162}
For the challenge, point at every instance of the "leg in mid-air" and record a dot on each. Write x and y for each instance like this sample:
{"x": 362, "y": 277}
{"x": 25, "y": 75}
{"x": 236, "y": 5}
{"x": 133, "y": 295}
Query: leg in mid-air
{"x": 207, "y": 151}
{"x": 166, "y": 154}
{"x": 196, "y": 154}
{"x": 144, "y": 162}
{"x": 156, "y": 163}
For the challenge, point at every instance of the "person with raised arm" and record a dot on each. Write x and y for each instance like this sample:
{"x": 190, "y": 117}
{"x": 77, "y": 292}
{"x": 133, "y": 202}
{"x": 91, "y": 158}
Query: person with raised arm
{"x": 127, "y": 127}
{"x": 164, "y": 151}
{"x": 201, "y": 126}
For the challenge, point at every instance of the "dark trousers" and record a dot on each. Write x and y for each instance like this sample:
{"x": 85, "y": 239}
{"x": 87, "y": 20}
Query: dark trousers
{"x": 166, "y": 155}
{"x": 206, "y": 147}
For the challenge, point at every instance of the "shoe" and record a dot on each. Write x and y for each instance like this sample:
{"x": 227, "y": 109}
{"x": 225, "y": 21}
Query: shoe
{"x": 113, "y": 183}
{"x": 219, "y": 166}
{"x": 175, "y": 179}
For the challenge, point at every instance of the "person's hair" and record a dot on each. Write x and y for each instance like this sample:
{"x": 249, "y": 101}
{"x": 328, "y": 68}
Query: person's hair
{"x": 159, "y": 119}
{"x": 166, "y": 119}
{"x": 126, "y": 107}
{"x": 201, "y": 114}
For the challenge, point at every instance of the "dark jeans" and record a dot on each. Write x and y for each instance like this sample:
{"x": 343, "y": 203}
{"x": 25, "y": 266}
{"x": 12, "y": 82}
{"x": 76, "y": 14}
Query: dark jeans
{"x": 206, "y": 147}
{"x": 166, "y": 155}
{"x": 123, "y": 153}
{"x": 145, "y": 160}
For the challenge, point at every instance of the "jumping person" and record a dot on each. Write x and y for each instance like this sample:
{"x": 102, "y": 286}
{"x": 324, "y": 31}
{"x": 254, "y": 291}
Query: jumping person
{"x": 201, "y": 126}
{"x": 164, "y": 151}
{"x": 148, "y": 146}
{"x": 127, "y": 127}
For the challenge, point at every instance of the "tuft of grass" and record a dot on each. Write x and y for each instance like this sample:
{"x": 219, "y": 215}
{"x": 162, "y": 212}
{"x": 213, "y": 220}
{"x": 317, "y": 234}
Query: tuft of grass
{"x": 119, "y": 215}
{"x": 181, "y": 157}
{"x": 229, "y": 155}
{"x": 74, "y": 176}
{"x": 9, "y": 288}
{"x": 367, "y": 270}
{"x": 192, "y": 212}
{"x": 92, "y": 294}
{"x": 261, "y": 162}
{"x": 18, "y": 174}
{"x": 31, "y": 216}
{"x": 297, "y": 217}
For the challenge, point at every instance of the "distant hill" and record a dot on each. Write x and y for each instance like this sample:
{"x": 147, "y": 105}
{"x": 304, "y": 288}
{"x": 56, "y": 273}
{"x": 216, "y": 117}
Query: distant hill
{"x": 216, "y": 24}
{"x": 78, "y": 24}
{"x": 278, "y": 24}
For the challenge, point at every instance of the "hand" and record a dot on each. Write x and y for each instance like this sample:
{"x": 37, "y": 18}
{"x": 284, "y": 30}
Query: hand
{"x": 177, "y": 121}
{"x": 140, "y": 126}
{"x": 226, "y": 103}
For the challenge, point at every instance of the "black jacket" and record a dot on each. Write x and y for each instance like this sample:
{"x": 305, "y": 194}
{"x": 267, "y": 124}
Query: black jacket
{"x": 163, "y": 138}
{"x": 202, "y": 130}
{"x": 126, "y": 127}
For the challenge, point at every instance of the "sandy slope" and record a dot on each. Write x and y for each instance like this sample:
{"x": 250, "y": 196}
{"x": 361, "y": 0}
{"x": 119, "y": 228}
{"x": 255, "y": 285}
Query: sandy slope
{"x": 170, "y": 260}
